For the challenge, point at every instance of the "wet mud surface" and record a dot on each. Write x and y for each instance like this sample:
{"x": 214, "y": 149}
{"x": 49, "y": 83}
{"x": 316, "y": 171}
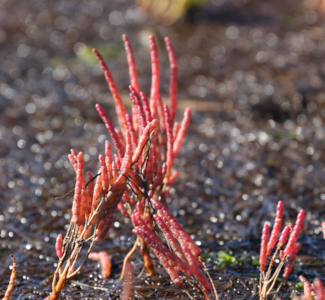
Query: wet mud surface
{"x": 253, "y": 75}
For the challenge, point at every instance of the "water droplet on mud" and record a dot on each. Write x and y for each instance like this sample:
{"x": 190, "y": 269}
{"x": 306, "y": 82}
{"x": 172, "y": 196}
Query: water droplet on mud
{"x": 54, "y": 213}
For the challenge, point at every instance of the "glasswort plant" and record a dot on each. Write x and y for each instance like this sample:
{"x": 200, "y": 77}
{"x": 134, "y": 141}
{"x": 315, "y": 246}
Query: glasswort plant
{"x": 135, "y": 180}
{"x": 288, "y": 237}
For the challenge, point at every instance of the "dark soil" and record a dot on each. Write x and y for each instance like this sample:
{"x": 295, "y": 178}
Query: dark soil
{"x": 253, "y": 74}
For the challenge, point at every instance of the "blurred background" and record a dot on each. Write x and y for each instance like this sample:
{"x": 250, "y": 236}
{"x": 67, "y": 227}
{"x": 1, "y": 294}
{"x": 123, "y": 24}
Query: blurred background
{"x": 252, "y": 71}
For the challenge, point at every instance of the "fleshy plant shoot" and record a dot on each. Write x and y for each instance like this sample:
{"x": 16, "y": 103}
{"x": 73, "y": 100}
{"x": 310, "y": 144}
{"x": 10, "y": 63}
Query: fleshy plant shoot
{"x": 94, "y": 204}
{"x": 287, "y": 238}
{"x": 148, "y": 182}
{"x": 136, "y": 181}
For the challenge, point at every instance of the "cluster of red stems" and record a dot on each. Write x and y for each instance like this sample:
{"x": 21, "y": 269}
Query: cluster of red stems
{"x": 315, "y": 291}
{"x": 135, "y": 181}
{"x": 288, "y": 236}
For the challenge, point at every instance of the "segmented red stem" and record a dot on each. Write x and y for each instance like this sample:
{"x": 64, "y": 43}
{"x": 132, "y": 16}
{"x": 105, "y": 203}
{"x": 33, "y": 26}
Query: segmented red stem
{"x": 126, "y": 198}
{"x": 161, "y": 115}
{"x": 295, "y": 232}
{"x": 109, "y": 161}
{"x": 182, "y": 131}
{"x": 169, "y": 237}
{"x": 120, "y": 138}
{"x": 123, "y": 210}
{"x": 113, "y": 197}
{"x": 173, "y": 78}
{"x": 127, "y": 160}
{"x": 138, "y": 221}
{"x": 131, "y": 63}
{"x": 107, "y": 209}
{"x": 73, "y": 161}
{"x": 97, "y": 190}
{"x": 74, "y": 153}
{"x": 115, "y": 171}
{"x": 154, "y": 93}
{"x": 287, "y": 270}
{"x": 283, "y": 237}
{"x": 293, "y": 253}
{"x": 87, "y": 233}
{"x": 132, "y": 131}
{"x": 176, "y": 228}
{"x": 111, "y": 130}
{"x": 153, "y": 158}
{"x": 195, "y": 268}
{"x": 173, "y": 259}
{"x": 307, "y": 287}
{"x": 173, "y": 177}
{"x": 143, "y": 139}
{"x": 104, "y": 261}
{"x": 90, "y": 193}
{"x": 263, "y": 250}
{"x": 319, "y": 289}
{"x": 162, "y": 258}
{"x": 176, "y": 127}
{"x": 136, "y": 103}
{"x": 58, "y": 246}
{"x": 276, "y": 227}
{"x": 77, "y": 213}
{"x": 170, "y": 142}
{"x": 84, "y": 201}
{"x": 127, "y": 282}
{"x": 292, "y": 257}
{"x": 179, "y": 232}
{"x": 139, "y": 208}
{"x": 104, "y": 226}
{"x": 119, "y": 106}
{"x": 132, "y": 73}
{"x": 161, "y": 171}
{"x": 117, "y": 162}
{"x": 104, "y": 173}
{"x": 156, "y": 244}
{"x": 146, "y": 107}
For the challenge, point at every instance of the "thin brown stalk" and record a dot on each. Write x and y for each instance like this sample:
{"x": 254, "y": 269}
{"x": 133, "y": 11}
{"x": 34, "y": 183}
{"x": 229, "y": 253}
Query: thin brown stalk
{"x": 211, "y": 281}
{"x": 127, "y": 257}
{"x": 12, "y": 280}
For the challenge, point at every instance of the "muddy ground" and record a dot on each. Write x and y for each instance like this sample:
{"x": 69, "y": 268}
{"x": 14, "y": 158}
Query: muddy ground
{"x": 253, "y": 74}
